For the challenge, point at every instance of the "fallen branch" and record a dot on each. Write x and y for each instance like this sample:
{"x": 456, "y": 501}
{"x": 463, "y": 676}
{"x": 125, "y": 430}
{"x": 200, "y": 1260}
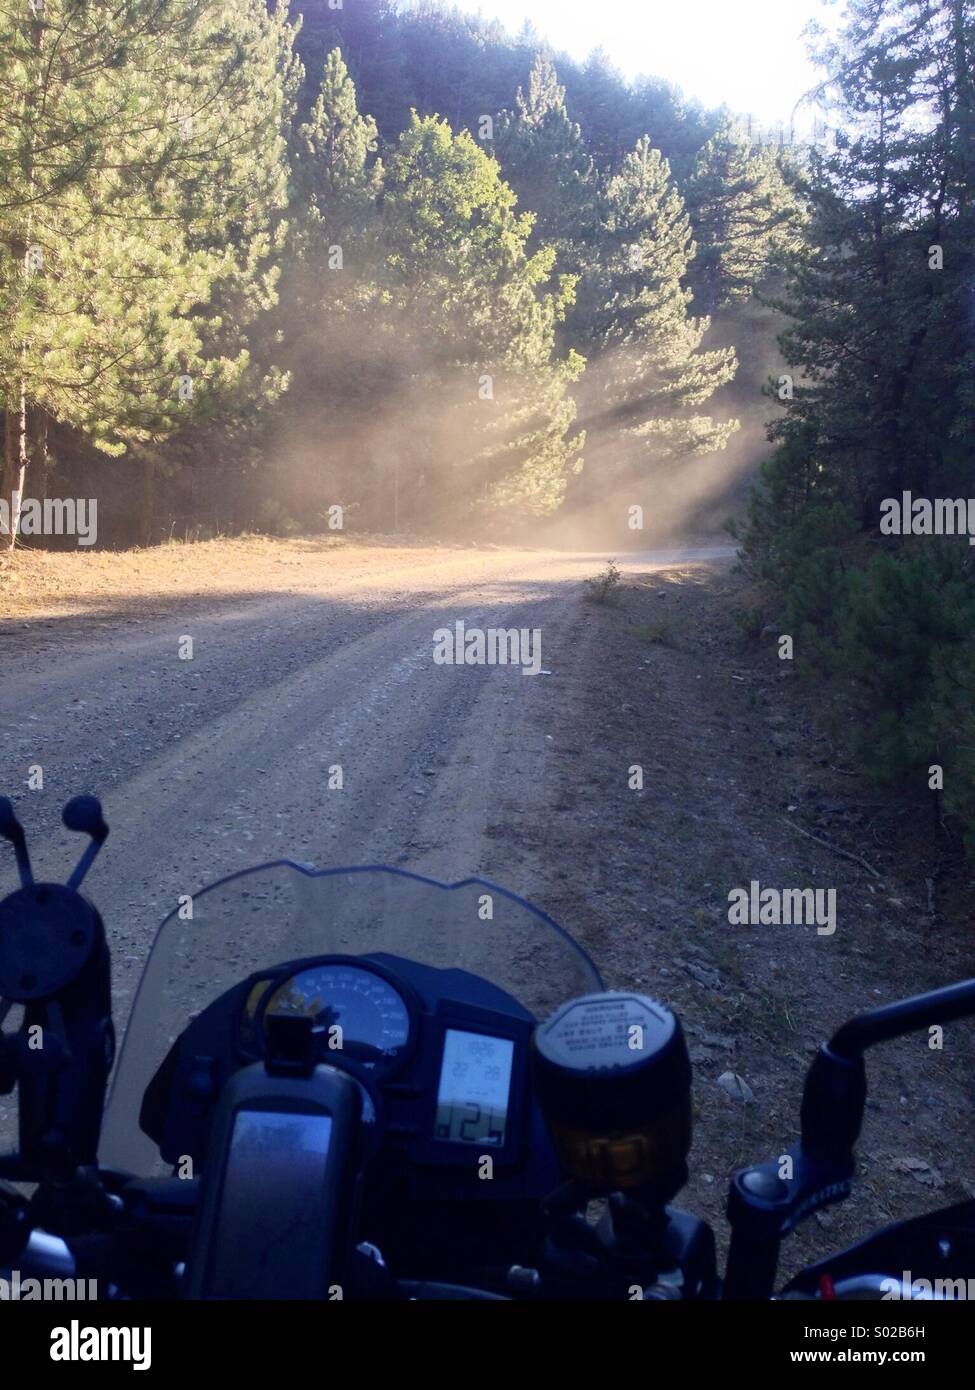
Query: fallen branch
{"x": 833, "y": 849}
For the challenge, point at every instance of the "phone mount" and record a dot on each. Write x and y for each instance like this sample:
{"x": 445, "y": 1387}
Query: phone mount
{"x": 54, "y": 964}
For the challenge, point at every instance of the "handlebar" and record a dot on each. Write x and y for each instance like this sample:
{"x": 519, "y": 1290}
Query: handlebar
{"x": 936, "y": 1007}
{"x": 768, "y": 1200}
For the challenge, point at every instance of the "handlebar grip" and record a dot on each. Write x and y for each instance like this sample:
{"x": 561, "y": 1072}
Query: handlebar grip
{"x": 832, "y": 1105}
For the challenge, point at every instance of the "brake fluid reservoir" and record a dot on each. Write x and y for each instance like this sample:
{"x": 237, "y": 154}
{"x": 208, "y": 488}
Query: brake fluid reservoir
{"x": 613, "y": 1079}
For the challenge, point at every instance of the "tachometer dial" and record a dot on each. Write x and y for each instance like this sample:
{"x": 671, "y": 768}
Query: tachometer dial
{"x": 364, "y": 1018}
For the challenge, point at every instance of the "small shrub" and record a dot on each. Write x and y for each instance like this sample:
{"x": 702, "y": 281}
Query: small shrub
{"x": 905, "y": 643}
{"x": 605, "y": 587}
{"x": 661, "y": 631}
{"x": 274, "y": 519}
{"x": 749, "y": 622}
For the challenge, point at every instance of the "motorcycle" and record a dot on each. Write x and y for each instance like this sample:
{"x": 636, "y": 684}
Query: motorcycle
{"x": 360, "y": 1083}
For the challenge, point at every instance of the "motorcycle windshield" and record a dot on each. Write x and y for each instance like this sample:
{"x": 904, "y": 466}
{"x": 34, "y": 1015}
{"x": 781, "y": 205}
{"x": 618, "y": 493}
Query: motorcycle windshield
{"x": 283, "y": 911}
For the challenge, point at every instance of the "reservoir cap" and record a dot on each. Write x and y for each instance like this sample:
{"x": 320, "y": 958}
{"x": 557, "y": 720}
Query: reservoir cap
{"x": 610, "y": 1062}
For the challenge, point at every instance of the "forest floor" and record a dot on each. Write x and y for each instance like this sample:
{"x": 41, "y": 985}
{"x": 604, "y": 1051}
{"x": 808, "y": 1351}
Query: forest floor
{"x": 308, "y": 653}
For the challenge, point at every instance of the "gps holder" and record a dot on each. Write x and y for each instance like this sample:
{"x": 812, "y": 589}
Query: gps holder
{"x": 54, "y": 964}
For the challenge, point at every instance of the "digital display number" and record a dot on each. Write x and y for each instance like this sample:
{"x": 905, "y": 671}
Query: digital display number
{"x": 475, "y": 1084}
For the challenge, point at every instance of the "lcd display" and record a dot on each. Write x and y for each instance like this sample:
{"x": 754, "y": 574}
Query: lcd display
{"x": 474, "y": 1089}
{"x": 274, "y": 1178}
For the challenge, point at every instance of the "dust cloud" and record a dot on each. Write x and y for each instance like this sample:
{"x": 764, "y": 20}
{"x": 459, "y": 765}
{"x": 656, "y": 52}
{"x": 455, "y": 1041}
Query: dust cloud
{"x": 380, "y": 421}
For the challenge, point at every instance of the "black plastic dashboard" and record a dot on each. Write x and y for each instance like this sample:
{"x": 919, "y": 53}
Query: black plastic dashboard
{"x": 440, "y": 1057}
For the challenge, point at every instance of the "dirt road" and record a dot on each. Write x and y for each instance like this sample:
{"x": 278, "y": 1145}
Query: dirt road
{"x": 306, "y": 659}
{"x": 208, "y": 763}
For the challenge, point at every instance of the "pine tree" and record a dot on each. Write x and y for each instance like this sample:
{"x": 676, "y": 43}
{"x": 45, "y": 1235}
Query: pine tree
{"x": 604, "y": 104}
{"x": 141, "y": 175}
{"x": 473, "y": 322}
{"x": 336, "y": 179}
{"x": 883, "y": 351}
{"x": 325, "y": 317}
{"x": 371, "y": 36}
{"x": 543, "y": 157}
{"x": 646, "y": 364}
{"x": 744, "y": 215}
{"x": 881, "y": 333}
{"x": 679, "y": 126}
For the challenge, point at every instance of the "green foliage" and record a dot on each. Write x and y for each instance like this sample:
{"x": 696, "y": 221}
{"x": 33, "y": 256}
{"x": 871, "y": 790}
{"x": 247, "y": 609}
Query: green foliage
{"x": 143, "y": 177}
{"x": 335, "y": 179}
{"x": 633, "y": 319}
{"x": 879, "y": 296}
{"x": 605, "y": 587}
{"x": 211, "y": 225}
{"x": 784, "y": 524}
{"x": 319, "y": 332}
{"x": 426, "y": 360}
{"x": 274, "y": 519}
{"x": 658, "y": 633}
{"x": 544, "y": 159}
{"x": 905, "y": 637}
{"x": 815, "y": 597}
{"x": 749, "y": 621}
{"x": 430, "y": 56}
{"x": 472, "y": 310}
{"x": 880, "y": 342}
{"x": 745, "y": 215}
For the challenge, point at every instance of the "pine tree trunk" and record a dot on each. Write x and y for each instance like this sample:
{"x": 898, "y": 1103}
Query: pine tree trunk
{"x": 14, "y": 468}
{"x": 40, "y": 458}
{"x": 148, "y": 500}
{"x": 15, "y": 442}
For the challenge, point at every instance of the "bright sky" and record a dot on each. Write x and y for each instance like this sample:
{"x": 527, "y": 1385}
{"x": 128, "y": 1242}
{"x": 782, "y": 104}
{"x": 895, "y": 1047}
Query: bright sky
{"x": 747, "y": 53}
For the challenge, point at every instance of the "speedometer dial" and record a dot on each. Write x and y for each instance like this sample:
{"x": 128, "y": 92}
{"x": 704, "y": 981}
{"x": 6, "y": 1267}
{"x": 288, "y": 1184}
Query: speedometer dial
{"x": 363, "y": 1017}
